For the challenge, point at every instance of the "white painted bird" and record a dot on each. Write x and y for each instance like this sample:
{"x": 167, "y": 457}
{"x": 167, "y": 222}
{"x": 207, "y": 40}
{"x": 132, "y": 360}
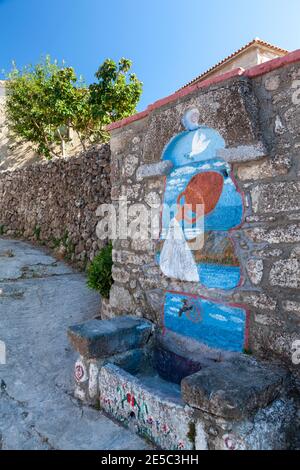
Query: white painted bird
{"x": 199, "y": 144}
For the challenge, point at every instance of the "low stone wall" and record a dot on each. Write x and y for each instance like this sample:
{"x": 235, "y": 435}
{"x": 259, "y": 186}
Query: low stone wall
{"x": 55, "y": 203}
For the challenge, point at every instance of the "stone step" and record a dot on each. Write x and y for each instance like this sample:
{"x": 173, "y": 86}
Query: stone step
{"x": 236, "y": 388}
{"x": 103, "y": 338}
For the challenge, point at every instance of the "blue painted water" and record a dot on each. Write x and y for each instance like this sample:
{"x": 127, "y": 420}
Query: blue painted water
{"x": 217, "y": 325}
{"x": 215, "y": 276}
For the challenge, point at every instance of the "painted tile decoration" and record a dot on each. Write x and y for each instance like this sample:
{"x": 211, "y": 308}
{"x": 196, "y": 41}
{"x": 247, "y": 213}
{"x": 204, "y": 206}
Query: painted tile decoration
{"x": 157, "y": 417}
{"x": 217, "y": 325}
{"x": 199, "y": 177}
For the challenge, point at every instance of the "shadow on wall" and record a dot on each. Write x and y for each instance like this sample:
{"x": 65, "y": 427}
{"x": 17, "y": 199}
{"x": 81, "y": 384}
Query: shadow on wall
{"x": 14, "y": 154}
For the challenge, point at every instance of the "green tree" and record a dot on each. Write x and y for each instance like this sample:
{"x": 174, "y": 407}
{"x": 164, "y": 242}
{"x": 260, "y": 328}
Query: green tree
{"x": 116, "y": 93}
{"x": 46, "y": 101}
{"x": 113, "y": 96}
{"x": 42, "y": 101}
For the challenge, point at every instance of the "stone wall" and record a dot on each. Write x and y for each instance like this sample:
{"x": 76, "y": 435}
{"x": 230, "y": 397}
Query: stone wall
{"x": 257, "y": 114}
{"x": 55, "y": 203}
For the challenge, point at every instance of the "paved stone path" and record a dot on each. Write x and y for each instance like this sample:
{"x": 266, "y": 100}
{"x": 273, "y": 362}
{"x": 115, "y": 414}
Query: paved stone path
{"x": 39, "y": 299}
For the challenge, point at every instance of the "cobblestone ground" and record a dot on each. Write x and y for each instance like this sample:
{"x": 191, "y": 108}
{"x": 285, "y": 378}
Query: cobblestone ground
{"x": 39, "y": 299}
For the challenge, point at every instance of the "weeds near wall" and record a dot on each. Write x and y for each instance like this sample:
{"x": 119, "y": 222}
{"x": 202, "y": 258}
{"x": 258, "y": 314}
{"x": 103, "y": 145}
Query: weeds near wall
{"x": 64, "y": 242}
{"x": 37, "y": 232}
{"x": 100, "y": 272}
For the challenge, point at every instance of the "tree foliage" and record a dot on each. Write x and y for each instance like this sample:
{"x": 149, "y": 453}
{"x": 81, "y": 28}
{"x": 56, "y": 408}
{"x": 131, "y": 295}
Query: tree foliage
{"x": 48, "y": 100}
{"x": 115, "y": 95}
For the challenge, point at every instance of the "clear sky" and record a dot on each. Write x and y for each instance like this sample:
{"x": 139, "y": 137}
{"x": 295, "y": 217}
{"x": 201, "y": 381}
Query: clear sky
{"x": 169, "y": 41}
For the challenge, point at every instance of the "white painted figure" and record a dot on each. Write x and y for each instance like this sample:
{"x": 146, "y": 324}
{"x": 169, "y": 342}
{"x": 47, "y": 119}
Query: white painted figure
{"x": 199, "y": 144}
{"x": 176, "y": 259}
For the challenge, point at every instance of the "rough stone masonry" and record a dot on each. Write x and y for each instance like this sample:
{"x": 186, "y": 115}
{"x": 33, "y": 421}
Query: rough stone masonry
{"x": 257, "y": 114}
{"x": 246, "y": 138}
{"x": 55, "y": 202}
{"x": 252, "y": 118}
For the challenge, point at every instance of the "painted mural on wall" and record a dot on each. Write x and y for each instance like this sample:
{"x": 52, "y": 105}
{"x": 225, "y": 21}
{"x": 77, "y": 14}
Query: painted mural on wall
{"x": 201, "y": 179}
{"x": 217, "y": 325}
{"x": 160, "y": 418}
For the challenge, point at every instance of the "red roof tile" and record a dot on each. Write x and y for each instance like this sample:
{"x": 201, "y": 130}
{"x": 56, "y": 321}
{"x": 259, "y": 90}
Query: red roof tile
{"x": 255, "y": 41}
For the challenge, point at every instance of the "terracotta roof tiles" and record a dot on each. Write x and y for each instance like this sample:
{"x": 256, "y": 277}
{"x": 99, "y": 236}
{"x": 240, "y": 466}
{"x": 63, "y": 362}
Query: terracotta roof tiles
{"x": 255, "y": 41}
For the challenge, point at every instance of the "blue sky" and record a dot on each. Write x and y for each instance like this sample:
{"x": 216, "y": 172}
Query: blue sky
{"x": 170, "y": 41}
